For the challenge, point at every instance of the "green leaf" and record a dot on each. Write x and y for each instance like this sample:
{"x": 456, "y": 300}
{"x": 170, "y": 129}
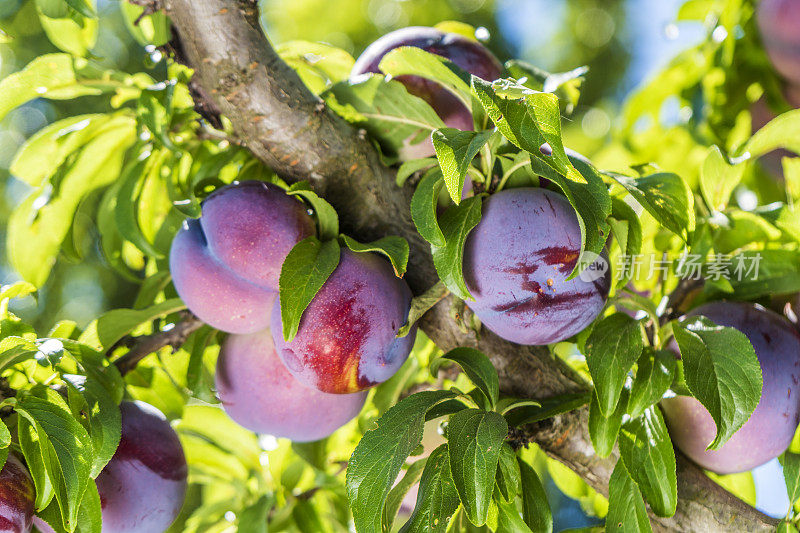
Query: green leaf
{"x": 744, "y": 228}
{"x": 786, "y": 527}
{"x": 45, "y": 152}
{"x": 722, "y": 371}
{"x": 455, "y": 150}
{"x": 535, "y": 507}
{"x": 508, "y": 475}
{"x": 308, "y": 519}
{"x": 478, "y": 368}
{"x": 780, "y": 132}
{"x": 65, "y": 448}
{"x": 654, "y": 375}
{"x": 718, "y": 179}
{"x": 437, "y": 498}
{"x": 665, "y": 196}
{"x": 591, "y": 202}
{"x": 104, "y": 332}
{"x": 407, "y": 60}
{"x": 791, "y": 474}
{"x": 38, "y": 225}
{"x": 254, "y": 518}
{"x": 380, "y": 455}
{"x": 509, "y": 519}
{"x": 19, "y": 289}
{"x": 392, "y": 116}
{"x": 5, "y": 435}
{"x": 153, "y": 29}
{"x": 48, "y": 76}
{"x": 409, "y": 168}
{"x": 89, "y": 513}
{"x": 603, "y": 431}
{"x": 314, "y": 453}
{"x": 626, "y": 510}
{"x": 73, "y": 34}
{"x": 327, "y": 219}
{"x": 90, "y": 399}
{"x": 566, "y": 85}
{"x": 625, "y": 218}
{"x": 547, "y": 408}
{"x": 305, "y": 270}
{"x": 424, "y": 206}
{"x": 791, "y": 173}
{"x": 646, "y": 450}
{"x": 395, "y": 498}
{"x": 319, "y": 65}
{"x": 778, "y": 273}
{"x": 393, "y": 247}
{"x": 132, "y": 182}
{"x": 529, "y": 121}
{"x": 421, "y": 304}
{"x": 475, "y": 439}
{"x": 456, "y": 223}
{"x": 612, "y": 349}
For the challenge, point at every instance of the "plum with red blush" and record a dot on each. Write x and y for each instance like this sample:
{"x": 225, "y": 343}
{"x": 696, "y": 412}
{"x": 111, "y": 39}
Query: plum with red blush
{"x": 347, "y": 338}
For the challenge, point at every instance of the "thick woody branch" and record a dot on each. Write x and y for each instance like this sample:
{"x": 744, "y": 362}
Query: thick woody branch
{"x": 293, "y": 132}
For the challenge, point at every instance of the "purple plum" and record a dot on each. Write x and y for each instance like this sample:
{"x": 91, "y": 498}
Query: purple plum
{"x": 470, "y": 56}
{"x": 347, "y": 340}
{"x": 259, "y": 393}
{"x": 143, "y": 486}
{"x": 778, "y": 21}
{"x": 16, "y": 497}
{"x": 770, "y": 429}
{"x": 516, "y": 261}
{"x": 226, "y": 265}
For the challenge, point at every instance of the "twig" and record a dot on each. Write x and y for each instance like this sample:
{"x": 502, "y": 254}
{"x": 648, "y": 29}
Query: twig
{"x": 678, "y": 297}
{"x": 147, "y": 344}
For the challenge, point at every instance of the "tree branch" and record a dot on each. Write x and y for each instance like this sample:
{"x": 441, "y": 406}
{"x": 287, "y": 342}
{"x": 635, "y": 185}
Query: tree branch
{"x": 143, "y": 346}
{"x": 293, "y": 132}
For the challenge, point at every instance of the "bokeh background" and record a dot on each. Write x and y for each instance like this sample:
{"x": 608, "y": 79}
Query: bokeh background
{"x": 623, "y": 42}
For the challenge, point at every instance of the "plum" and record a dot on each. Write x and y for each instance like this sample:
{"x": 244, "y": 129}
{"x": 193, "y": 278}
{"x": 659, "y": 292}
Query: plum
{"x": 516, "y": 261}
{"x": 226, "y": 265}
{"x": 770, "y": 429}
{"x": 778, "y": 21}
{"x": 470, "y": 56}
{"x": 16, "y": 497}
{"x": 259, "y": 393}
{"x": 347, "y": 340}
{"x": 143, "y": 486}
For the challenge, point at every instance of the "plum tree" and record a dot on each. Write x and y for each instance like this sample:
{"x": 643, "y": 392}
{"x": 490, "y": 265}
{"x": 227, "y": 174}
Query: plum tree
{"x": 259, "y": 393}
{"x": 469, "y": 55}
{"x": 770, "y": 429}
{"x": 143, "y": 486}
{"x": 347, "y": 340}
{"x": 778, "y": 21}
{"x": 516, "y": 264}
{"x": 16, "y": 497}
{"x": 225, "y": 266}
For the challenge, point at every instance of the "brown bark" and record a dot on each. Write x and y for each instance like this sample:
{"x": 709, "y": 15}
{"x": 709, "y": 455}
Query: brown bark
{"x": 293, "y": 132}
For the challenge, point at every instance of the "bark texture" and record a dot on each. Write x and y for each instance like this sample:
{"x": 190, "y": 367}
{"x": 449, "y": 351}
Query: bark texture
{"x": 293, "y": 132}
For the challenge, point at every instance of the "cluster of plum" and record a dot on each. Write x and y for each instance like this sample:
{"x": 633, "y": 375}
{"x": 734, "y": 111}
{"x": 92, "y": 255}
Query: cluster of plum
{"x": 226, "y": 267}
{"x": 518, "y": 258}
{"x": 141, "y": 489}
